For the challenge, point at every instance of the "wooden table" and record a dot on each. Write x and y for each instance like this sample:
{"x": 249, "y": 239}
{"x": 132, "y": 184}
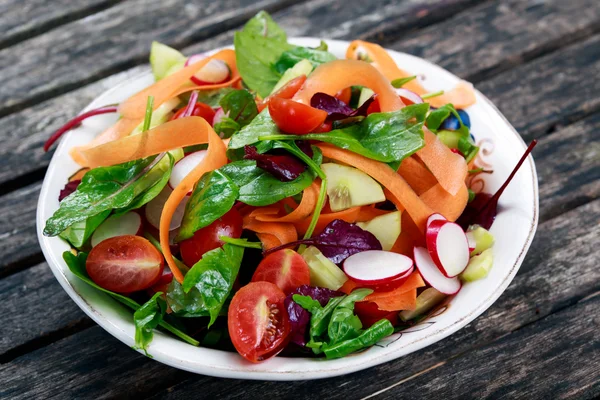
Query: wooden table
{"x": 538, "y": 60}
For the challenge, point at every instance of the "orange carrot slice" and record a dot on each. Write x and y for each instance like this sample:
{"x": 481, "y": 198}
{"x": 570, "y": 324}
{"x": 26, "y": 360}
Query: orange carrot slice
{"x": 416, "y": 175}
{"x": 337, "y": 75}
{"x": 267, "y": 232}
{"x": 303, "y": 211}
{"x": 450, "y": 169}
{"x": 403, "y": 301}
{"x": 446, "y": 204}
{"x": 403, "y": 194}
{"x": 268, "y": 241}
{"x": 367, "y": 213}
{"x": 349, "y": 215}
{"x": 462, "y": 96}
{"x": 202, "y": 132}
{"x": 269, "y": 210}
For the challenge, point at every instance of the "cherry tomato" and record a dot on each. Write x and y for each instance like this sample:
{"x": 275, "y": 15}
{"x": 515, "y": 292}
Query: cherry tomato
{"x": 285, "y": 268}
{"x": 162, "y": 283}
{"x": 296, "y": 118}
{"x": 200, "y": 110}
{"x": 258, "y": 322}
{"x": 287, "y": 91}
{"x": 324, "y": 128}
{"x": 369, "y": 313}
{"x": 207, "y": 238}
{"x": 125, "y": 264}
{"x": 374, "y": 107}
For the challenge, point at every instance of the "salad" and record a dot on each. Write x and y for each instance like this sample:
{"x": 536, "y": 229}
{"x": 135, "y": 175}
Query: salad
{"x": 273, "y": 198}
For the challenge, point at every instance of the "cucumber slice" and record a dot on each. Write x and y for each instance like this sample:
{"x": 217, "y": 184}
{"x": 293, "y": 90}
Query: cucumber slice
{"x": 479, "y": 266}
{"x": 482, "y": 238}
{"x": 350, "y": 187}
{"x": 323, "y": 272}
{"x": 365, "y": 94}
{"x": 386, "y": 228}
{"x": 163, "y": 58}
{"x": 449, "y": 138}
{"x": 302, "y": 67}
{"x": 159, "y": 116}
{"x": 428, "y": 299}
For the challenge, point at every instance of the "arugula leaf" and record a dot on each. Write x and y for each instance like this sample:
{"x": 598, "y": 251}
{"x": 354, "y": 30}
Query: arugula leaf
{"x": 398, "y": 83}
{"x": 78, "y": 233}
{"x": 260, "y": 126}
{"x": 240, "y": 108}
{"x": 366, "y": 338}
{"x": 76, "y": 264}
{"x": 213, "y": 196}
{"x": 291, "y": 57}
{"x": 384, "y": 137}
{"x": 102, "y": 189}
{"x": 213, "y": 276}
{"x": 146, "y": 319}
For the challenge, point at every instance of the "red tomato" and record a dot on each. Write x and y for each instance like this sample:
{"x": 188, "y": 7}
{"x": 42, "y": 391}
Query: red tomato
{"x": 207, "y": 238}
{"x": 200, "y": 110}
{"x": 285, "y": 268}
{"x": 374, "y": 107}
{"x": 324, "y": 128}
{"x": 296, "y": 118}
{"x": 287, "y": 91}
{"x": 369, "y": 313}
{"x": 407, "y": 102}
{"x": 125, "y": 264}
{"x": 258, "y": 322}
{"x": 161, "y": 285}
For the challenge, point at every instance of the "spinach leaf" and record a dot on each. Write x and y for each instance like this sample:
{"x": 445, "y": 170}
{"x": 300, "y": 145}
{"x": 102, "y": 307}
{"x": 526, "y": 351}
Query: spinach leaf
{"x": 438, "y": 116}
{"x": 213, "y": 196}
{"x": 78, "y": 233}
{"x": 385, "y": 137}
{"x": 102, "y": 189}
{"x": 344, "y": 324}
{"x": 262, "y": 125}
{"x": 257, "y": 47}
{"x": 184, "y": 304}
{"x": 213, "y": 98}
{"x": 213, "y": 277}
{"x": 291, "y": 57}
{"x": 76, "y": 264}
{"x": 240, "y": 108}
{"x": 146, "y": 319}
{"x": 367, "y": 338}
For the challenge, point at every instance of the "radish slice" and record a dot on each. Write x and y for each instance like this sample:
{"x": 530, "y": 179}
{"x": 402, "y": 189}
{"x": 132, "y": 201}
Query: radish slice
{"x": 184, "y": 166}
{"x": 376, "y": 266}
{"x": 435, "y": 217}
{"x": 448, "y": 247}
{"x": 471, "y": 240}
{"x": 407, "y": 94}
{"x": 215, "y": 71}
{"x": 432, "y": 275}
{"x": 154, "y": 208}
{"x": 118, "y": 225}
{"x": 219, "y": 114}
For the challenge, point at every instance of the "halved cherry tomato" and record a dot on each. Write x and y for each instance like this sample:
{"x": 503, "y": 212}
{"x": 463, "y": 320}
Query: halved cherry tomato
{"x": 296, "y": 118}
{"x": 324, "y": 128}
{"x": 200, "y": 110}
{"x": 285, "y": 268}
{"x": 287, "y": 91}
{"x": 125, "y": 264}
{"x": 163, "y": 281}
{"x": 374, "y": 107}
{"x": 369, "y": 313}
{"x": 207, "y": 238}
{"x": 258, "y": 322}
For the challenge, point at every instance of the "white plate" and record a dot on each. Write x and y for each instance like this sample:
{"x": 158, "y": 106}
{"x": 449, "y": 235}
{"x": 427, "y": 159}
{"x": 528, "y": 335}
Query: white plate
{"x": 513, "y": 229}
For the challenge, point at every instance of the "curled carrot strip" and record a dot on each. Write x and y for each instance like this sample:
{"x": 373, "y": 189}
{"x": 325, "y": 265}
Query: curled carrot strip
{"x": 200, "y": 131}
{"x": 446, "y": 204}
{"x": 303, "y": 211}
{"x": 367, "y": 213}
{"x": 271, "y": 234}
{"x": 450, "y": 169}
{"x": 461, "y": 96}
{"x": 337, "y": 75}
{"x": 416, "y": 175}
{"x": 268, "y": 241}
{"x": 388, "y": 178}
{"x": 349, "y": 215}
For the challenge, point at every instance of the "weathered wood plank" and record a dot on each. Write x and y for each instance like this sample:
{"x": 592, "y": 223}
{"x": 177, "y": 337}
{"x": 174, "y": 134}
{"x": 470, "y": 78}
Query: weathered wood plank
{"x": 555, "y": 358}
{"x": 114, "y": 39}
{"x": 499, "y": 35}
{"x": 559, "y": 271}
{"x": 21, "y": 20}
{"x": 34, "y": 308}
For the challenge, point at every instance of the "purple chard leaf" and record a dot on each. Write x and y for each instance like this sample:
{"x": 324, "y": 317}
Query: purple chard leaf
{"x": 69, "y": 188}
{"x": 286, "y": 168}
{"x": 337, "y": 109}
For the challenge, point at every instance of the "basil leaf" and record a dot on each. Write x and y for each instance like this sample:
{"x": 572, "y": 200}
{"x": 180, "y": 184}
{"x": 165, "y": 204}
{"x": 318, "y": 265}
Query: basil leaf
{"x": 213, "y": 276}
{"x": 367, "y": 338}
{"x": 262, "y": 125}
{"x": 102, "y": 189}
{"x": 213, "y": 196}
{"x": 146, "y": 319}
{"x": 76, "y": 264}
{"x": 291, "y": 57}
{"x": 78, "y": 233}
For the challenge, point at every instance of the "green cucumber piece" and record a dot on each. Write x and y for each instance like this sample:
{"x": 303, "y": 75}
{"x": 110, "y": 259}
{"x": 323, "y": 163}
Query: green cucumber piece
{"x": 482, "y": 238}
{"x": 478, "y": 267}
{"x": 386, "y": 228}
{"x": 365, "y": 94}
{"x": 323, "y": 272}
{"x": 449, "y": 138}
{"x": 163, "y": 58}
{"x": 428, "y": 299}
{"x": 302, "y": 67}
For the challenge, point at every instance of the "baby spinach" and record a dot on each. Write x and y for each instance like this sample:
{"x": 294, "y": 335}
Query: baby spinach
{"x": 187, "y": 305}
{"x": 146, "y": 319}
{"x": 76, "y": 264}
{"x": 435, "y": 121}
{"x": 262, "y": 125}
{"x": 240, "y": 108}
{"x": 78, "y": 233}
{"x": 213, "y": 98}
{"x": 291, "y": 57}
{"x": 213, "y": 277}
{"x": 367, "y": 338}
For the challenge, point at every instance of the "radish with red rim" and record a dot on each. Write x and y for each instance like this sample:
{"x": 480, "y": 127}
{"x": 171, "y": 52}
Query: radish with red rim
{"x": 184, "y": 166}
{"x": 215, "y": 71}
{"x": 435, "y": 217}
{"x": 118, "y": 225}
{"x": 153, "y": 210}
{"x": 448, "y": 246}
{"x": 432, "y": 275}
{"x": 375, "y": 267}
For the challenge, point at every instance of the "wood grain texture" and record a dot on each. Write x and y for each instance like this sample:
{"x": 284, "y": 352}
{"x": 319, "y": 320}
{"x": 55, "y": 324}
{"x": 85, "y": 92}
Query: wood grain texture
{"x": 20, "y": 20}
{"x": 495, "y": 36}
{"x": 34, "y": 307}
{"x": 560, "y": 270}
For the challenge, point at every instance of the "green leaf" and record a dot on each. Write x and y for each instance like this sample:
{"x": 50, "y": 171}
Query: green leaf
{"x": 398, "y": 83}
{"x": 436, "y": 118}
{"x": 262, "y": 125}
{"x": 213, "y": 196}
{"x": 366, "y": 338}
{"x": 226, "y": 128}
{"x": 213, "y": 276}
{"x": 467, "y": 148}
{"x": 185, "y": 304}
{"x": 263, "y": 25}
{"x": 240, "y": 106}
{"x": 79, "y": 233}
{"x": 102, "y": 189}
{"x": 291, "y": 57}
{"x": 146, "y": 319}
{"x": 344, "y": 324}
{"x": 213, "y": 97}
{"x": 241, "y": 242}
